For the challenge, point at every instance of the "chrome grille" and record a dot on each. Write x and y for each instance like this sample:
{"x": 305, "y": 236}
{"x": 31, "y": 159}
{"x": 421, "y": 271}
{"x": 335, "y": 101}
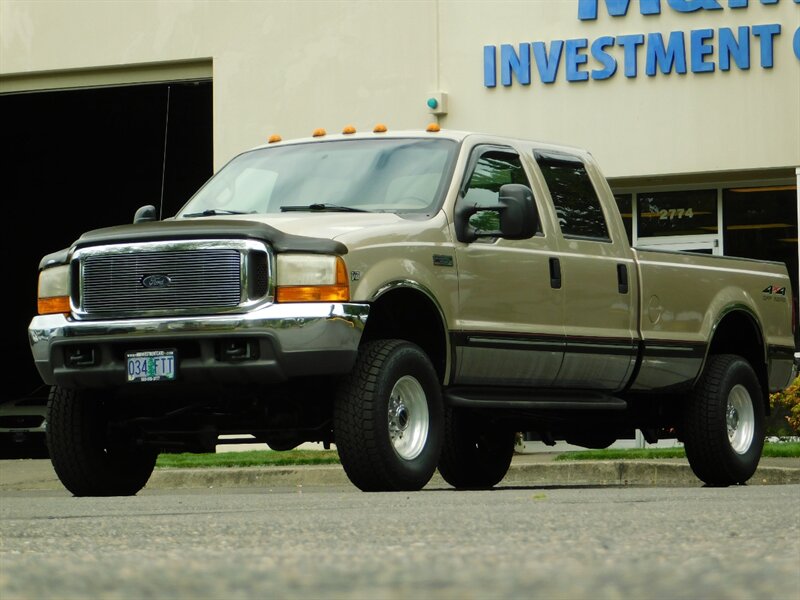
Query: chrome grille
{"x": 183, "y": 279}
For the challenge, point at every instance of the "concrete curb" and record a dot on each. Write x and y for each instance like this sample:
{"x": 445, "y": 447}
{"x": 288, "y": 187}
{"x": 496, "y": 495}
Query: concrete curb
{"x": 542, "y": 471}
{"x": 628, "y": 472}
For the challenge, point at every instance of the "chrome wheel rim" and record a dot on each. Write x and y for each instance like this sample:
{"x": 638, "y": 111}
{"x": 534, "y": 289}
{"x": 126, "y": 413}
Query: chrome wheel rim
{"x": 408, "y": 418}
{"x": 740, "y": 419}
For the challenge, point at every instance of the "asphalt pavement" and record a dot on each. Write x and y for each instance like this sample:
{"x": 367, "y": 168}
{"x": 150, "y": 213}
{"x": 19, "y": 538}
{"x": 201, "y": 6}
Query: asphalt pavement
{"x": 527, "y": 469}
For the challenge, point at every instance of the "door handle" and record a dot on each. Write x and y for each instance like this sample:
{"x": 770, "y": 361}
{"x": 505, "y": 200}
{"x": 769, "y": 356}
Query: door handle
{"x": 555, "y": 273}
{"x": 622, "y": 278}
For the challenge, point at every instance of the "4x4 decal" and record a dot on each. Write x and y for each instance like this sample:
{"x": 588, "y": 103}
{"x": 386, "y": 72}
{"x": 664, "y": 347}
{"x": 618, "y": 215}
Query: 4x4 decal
{"x": 774, "y": 290}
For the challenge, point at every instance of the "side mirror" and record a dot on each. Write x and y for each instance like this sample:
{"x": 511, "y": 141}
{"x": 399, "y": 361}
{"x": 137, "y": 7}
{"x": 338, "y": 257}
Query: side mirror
{"x": 516, "y": 213}
{"x": 145, "y": 213}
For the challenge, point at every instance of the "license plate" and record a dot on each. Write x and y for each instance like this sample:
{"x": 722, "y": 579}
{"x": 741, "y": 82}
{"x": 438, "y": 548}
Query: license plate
{"x": 152, "y": 365}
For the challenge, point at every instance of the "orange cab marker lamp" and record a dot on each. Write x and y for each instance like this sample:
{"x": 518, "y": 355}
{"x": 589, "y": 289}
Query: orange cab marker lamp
{"x": 380, "y": 128}
{"x": 274, "y": 138}
{"x": 319, "y": 132}
{"x": 338, "y": 292}
{"x": 56, "y": 304}
{"x": 433, "y": 128}
{"x": 348, "y": 130}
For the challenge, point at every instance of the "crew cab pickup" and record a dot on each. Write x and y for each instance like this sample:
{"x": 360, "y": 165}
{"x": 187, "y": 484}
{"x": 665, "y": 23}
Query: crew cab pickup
{"x": 415, "y": 298}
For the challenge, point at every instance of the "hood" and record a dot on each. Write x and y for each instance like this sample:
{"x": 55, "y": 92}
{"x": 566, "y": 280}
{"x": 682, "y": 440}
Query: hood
{"x": 330, "y": 225}
{"x": 295, "y": 232}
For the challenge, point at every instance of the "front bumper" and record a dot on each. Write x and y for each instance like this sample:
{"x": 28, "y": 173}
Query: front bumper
{"x": 281, "y": 341}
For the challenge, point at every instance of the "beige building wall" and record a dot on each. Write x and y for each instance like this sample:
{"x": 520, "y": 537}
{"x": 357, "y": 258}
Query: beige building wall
{"x": 289, "y": 67}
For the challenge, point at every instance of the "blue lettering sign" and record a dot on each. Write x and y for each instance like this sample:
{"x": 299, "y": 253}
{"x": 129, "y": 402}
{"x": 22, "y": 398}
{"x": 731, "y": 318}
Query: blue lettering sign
{"x": 743, "y": 3}
{"x": 604, "y": 58}
{"x": 664, "y": 52}
{"x": 489, "y": 66}
{"x": 766, "y": 34}
{"x": 548, "y": 64}
{"x": 686, "y": 6}
{"x": 519, "y": 65}
{"x": 797, "y": 40}
{"x": 700, "y": 50}
{"x": 630, "y": 43}
{"x": 575, "y": 58}
{"x": 673, "y": 56}
{"x": 730, "y": 47}
{"x": 587, "y": 9}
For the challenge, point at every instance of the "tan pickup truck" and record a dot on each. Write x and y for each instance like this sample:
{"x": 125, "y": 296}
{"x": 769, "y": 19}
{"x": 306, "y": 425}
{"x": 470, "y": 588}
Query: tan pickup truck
{"x": 413, "y": 297}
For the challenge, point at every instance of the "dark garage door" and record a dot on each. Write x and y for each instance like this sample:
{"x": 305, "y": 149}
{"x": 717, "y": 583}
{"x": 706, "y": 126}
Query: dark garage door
{"x": 87, "y": 158}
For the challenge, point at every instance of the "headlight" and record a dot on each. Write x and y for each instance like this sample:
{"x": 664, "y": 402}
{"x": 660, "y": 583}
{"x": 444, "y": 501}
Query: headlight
{"x": 54, "y": 290}
{"x": 311, "y": 278}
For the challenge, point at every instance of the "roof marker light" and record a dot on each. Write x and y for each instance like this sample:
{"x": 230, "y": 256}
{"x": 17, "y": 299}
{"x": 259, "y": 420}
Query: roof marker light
{"x": 380, "y": 128}
{"x": 274, "y": 138}
{"x": 348, "y": 130}
{"x": 319, "y": 132}
{"x": 433, "y": 128}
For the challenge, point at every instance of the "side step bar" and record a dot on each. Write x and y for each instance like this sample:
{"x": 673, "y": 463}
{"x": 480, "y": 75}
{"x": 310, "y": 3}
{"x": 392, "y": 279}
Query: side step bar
{"x": 527, "y": 399}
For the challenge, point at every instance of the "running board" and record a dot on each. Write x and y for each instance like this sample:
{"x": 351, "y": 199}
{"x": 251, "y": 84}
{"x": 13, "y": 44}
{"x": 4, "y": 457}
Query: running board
{"x": 526, "y": 399}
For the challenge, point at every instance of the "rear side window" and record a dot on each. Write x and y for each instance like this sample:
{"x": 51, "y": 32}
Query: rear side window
{"x": 576, "y": 202}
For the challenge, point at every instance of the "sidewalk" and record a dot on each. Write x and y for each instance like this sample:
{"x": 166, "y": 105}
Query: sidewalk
{"x": 527, "y": 469}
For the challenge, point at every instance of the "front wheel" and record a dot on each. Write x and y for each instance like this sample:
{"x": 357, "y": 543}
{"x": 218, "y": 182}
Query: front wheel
{"x": 388, "y": 418}
{"x": 86, "y": 459}
{"x": 724, "y": 422}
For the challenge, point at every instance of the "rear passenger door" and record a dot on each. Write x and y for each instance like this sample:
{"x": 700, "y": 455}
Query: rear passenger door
{"x": 509, "y": 327}
{"x": 596, "y": 278}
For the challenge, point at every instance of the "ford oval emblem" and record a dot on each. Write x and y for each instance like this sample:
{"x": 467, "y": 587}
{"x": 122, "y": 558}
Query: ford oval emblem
{"x": 157, "y": 280}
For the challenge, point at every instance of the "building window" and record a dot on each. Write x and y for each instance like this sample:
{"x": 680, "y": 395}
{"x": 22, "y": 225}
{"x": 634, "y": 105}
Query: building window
{"x": 761, "y": 222}
{"x": 691, "y": 212}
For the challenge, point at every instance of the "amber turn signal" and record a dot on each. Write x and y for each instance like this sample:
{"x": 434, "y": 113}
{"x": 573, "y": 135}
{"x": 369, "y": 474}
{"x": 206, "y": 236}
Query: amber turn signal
{"x": 54, "y": 305}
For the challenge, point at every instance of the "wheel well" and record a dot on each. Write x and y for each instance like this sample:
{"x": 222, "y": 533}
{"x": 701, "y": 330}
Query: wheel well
{"x": 739, "y": 333}
{"x": 409, "y": 314}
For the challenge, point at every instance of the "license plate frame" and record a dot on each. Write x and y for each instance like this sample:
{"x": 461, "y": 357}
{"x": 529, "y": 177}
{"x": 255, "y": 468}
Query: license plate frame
{"x": 148, "y": 366}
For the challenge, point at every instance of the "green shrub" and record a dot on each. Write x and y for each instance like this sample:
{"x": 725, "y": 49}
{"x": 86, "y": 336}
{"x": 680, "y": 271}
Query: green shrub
{"x": 786, "y": 408}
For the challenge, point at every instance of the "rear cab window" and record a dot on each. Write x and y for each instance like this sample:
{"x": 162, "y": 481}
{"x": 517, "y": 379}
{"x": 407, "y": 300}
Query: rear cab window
{"x": 577, "y": 205}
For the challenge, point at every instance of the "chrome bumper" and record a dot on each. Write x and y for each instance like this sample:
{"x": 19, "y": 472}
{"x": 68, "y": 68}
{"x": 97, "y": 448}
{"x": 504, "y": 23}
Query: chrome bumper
{"x": 282, "y": 341}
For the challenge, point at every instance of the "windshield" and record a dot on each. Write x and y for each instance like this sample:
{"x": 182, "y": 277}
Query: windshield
{"x": 373, "y": 175}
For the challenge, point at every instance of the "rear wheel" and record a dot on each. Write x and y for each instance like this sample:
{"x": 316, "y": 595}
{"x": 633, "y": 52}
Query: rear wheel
{"x": 475, "y": 454}
{"x": 87, "y": 461}
{"x": 724, "y": 422}
{"x": 388, "y": 418}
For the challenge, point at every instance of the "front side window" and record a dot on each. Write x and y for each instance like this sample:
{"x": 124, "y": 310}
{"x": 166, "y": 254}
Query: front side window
{"x": 493, "y": 169}
{"x": 372, "y": 175}
{"x": 574, "y": 197}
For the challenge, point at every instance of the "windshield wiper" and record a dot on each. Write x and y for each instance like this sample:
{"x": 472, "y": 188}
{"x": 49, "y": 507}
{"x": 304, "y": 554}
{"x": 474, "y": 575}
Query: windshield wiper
{"x": 322, "y": 208}
{"x": 210, "y": 212}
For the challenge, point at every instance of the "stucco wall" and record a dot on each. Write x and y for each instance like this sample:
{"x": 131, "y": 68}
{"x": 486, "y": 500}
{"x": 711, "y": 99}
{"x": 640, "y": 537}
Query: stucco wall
{"x": 288, "y": 67}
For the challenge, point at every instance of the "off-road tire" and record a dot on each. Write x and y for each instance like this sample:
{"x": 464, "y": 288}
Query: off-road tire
{"x": 724, "y": 449}
{"x": 373, "y": 459}
{"x": 475, "y": 455}
{"x": 86, "y": 462}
